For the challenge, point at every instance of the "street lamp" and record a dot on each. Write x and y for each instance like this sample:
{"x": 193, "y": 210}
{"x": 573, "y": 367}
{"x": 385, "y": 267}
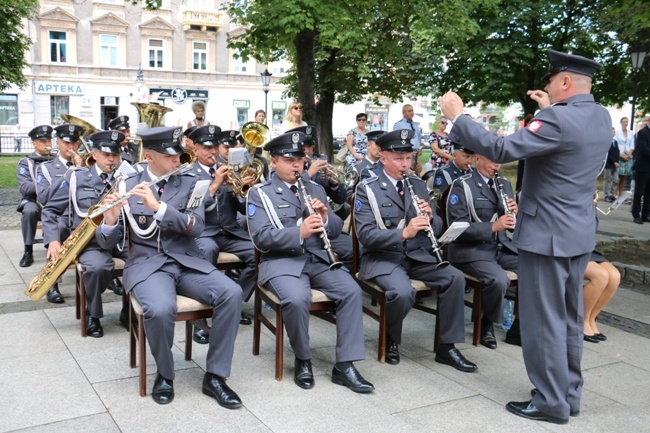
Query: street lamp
{"x": 139, "y": 80}
{"x": 266, "y": 81}
{"x": 637, "y": 63}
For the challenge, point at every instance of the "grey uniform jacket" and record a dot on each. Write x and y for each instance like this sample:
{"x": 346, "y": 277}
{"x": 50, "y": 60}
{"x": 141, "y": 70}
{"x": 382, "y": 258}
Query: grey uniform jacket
{"x": 282, "y": 252}
{"x": 445, "y": 175}
{"x": 174, "y": 235}
{"x": 48, "y": 177}
{"x": 477, "y": 242}
{"x": 382, "y": 250}
{"x": 26, "y": 176}
{"x": 562, "y": 162}
{"x": 221, "y": 210}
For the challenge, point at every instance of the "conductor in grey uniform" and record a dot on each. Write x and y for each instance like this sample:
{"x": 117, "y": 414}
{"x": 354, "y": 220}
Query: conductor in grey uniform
{"x": 395, "y": 249}
{"x": 26, "y": 174}
{"x": 484, "y": 250}
{"x": 565, "y": 146}
{"x": 293, "y": 262}
{"x": 164, "y": 261}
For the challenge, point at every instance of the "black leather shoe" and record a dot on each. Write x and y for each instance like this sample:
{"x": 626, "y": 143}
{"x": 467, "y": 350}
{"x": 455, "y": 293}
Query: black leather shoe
{"x": 591, "y": 338}
{"x": 94, "y": 328}
{"x": 201, "y": 336}
{"x": 54, "y": 296}
{"x": 245, "y": 320}
{"x": 533, "y": 393}
{"x": 392, "y": 353}
{"x": 116, "y": 286}
{"x": 216, "y": 387}
{"x": 454, "y": 358}
{"x": 124, "y": 318}
{"x": 27, "y": 260}
{"x": 514, "y": 339}
{"x": 638, "y": 220}
{"x": 163, "y": 390}
{"x": 600, "y": 337}
{"x": 351, "y": 378}
{"x": 302, "y": 374}
{"x": 487, "y": 336}
{"x": 527, "y": 409}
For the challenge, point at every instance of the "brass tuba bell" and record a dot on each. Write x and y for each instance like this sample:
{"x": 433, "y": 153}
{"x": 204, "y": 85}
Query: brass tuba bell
{"x": 152, "y": 115}
{"x": 88, "y": 129}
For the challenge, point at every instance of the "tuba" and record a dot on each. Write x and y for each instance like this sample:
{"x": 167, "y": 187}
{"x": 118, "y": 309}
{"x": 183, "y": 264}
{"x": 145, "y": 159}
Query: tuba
{"x": 255, "y": 136}
{"x": 88, "y": 129}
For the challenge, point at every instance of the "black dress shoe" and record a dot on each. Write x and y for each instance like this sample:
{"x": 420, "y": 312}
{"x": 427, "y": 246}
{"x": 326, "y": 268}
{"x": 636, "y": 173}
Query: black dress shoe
{"x": 454, "y": 358}
{"x": 600, "y": 337}
{"x": 302, "y": 374}
{"x": 201, "y": 336}
{"x": 638, "y": 220}
{"x": 116, "y": 286}
{"x": 487, "y": 336}
{"x": 514, "y": 339}
{"x": 533, "y": 393}
{"x": 215, "y": 386}
{"x": 245, "y": 320}
{"x": 27, "y": 260}
{"x": 163, "y": 390}
{"x": 54, "y": 296}
{"x": 94, "y": 328}
{"x": 591, "y": 338}
{"x": 124, "y": 318}
{"x": 527, "y": 409}
{"x": 351, "y": 378}
{"x": 392, "y": 353}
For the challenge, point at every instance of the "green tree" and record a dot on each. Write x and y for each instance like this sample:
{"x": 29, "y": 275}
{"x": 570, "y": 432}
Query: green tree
{"x": 14, "y": 41}
{"x": 344, "y": 51}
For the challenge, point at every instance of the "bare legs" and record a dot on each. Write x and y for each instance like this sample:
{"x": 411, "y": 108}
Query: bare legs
{"x": 604, "y": 279}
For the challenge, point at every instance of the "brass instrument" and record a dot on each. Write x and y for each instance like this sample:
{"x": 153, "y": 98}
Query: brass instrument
{"x": 429, "y": 230}
{"x": 152, "y": 116}
{"x": 327, "y": 246}
{"x": 87, "y": 130}
{"x": 334, "y": 174}
{"x": 502, "y": 194}
{"x": 255, "y": 136}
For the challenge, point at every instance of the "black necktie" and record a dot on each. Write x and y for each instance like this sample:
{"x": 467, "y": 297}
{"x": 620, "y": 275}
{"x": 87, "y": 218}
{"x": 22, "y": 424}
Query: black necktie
{"x": 492, "y": 188}
{"x": 294, "y": 190}
{"x": 400, "y": 189}
{"x": 212, "y": 170}
{"x": 410, "y": 122}
{"x": 161, "y": 187}
{"x": 104, "y": 177}
{"x": 68, "y": 164}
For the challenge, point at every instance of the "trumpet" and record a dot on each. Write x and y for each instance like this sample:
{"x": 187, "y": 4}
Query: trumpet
{"x": 327, "y": 246}
{"x": 429, "y": 230}
{"x": 333, "y": 174}
{"x": 87, "y": 159}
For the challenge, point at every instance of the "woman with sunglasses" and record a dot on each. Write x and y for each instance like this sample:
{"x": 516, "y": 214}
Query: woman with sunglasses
{"x": 356, "y": 141}
{"x": 293, "y": 118}
{"x": 440, "y": 144}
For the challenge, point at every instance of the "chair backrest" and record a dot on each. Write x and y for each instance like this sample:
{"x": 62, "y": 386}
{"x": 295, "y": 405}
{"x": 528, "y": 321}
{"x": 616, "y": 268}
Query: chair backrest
{"x": 356, "y": 258}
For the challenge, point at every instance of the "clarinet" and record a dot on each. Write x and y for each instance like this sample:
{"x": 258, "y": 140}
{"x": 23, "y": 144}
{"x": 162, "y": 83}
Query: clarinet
{"x": 429, "y": 230}
{"x": 502, "y": 194}
{"x": 327, "y": 246}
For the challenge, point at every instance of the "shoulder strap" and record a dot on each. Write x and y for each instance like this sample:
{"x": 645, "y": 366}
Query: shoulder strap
{"x": 374, "y": 207}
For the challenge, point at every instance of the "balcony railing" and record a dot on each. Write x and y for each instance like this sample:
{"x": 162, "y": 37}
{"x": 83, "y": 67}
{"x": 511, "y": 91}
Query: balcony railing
{"x": 202, "y": 20}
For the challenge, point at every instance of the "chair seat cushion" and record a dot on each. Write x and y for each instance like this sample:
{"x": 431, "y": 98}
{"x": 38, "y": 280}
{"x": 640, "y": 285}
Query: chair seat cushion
{"x": 183, "y": 304}
{"x": 418, "y": 285}
{"x": 227, "y": 258}
{"x": 316, "y": 295}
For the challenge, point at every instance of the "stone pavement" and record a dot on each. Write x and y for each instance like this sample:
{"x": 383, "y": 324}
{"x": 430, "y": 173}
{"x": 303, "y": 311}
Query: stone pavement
{"x": 53, "y": 380}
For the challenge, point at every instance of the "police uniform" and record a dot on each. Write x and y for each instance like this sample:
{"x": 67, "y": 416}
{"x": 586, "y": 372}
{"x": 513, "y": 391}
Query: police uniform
{"x": 222, "y": 232}
{"x": 365, "y": 164}
{"x": 129, "y": 150}
{"x": 164, "y": 261}
{"x": 380, "y": 214}
{"x": 28, "y": 206}
{"x": 478, "y": 251}
{"x": 564, "y": 146}
{"x": 80, "y": 189}
{"x": 445, "y": 175}
{"x": 290, "y": 267}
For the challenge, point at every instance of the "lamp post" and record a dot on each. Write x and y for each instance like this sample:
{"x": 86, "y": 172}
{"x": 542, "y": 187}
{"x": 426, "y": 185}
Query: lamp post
{"x": 139, "y": 80}
{"x": 637, "y": 62}
{"x": 266, "y": 81}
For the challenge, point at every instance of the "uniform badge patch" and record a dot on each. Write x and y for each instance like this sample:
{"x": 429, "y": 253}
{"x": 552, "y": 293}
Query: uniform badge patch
{"x": 357, "y": 205}
{"x": 534, "y": 126}
{"x": 64, "y": 183}
{"x": 438, "y": 181}
{"x": 142, "y": 220}
{"x": 39, "y": 178}
{"x": 453, "y": 199}
{"x": 22, "y": 170}
{"x": 251, "y": 210}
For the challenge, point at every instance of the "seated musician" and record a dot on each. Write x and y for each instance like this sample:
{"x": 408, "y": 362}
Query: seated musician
{"x": 293, "y": 261}
{"x": 80, "y": 189}
{"x": 222, "y": 233}
{"x": 395, "y": 248}
{"x": 26, "y": 174}
{"x": 441, "y": 178}
{"x": 164, "y": 261}
{"x": 50, "y": 174}
{"x": 484, "y": 251}
{"x": 129, "y": 149}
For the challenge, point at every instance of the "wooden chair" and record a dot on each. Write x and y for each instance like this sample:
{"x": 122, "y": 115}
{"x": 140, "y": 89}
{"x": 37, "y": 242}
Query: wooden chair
{"x": 188, "y": 310}
{"x": 319, "y": 305}
{"x": 80, "y": 294}
{"x": 378, "y": 296}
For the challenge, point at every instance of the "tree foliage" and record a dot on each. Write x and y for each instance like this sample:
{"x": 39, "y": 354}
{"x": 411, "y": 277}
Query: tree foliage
{"x": 14, "y": 41}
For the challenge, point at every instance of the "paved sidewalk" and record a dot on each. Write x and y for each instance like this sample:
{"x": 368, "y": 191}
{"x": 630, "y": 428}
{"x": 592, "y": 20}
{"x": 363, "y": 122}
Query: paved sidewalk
{"x": 53, "y": 380}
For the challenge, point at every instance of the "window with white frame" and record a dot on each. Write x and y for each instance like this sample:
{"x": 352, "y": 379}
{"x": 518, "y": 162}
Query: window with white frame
{"x": 58, "y": 46}
{"x": 240, "y": 66}
{"x": 200, "y": 56}
{"x": 156, "y": 53}
{"x": 108, "y": 50}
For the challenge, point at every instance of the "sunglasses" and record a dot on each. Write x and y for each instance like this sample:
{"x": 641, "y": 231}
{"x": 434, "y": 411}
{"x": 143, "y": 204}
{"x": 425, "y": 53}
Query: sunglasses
{"x": 361, "y": 120}
{"x": 443, "y": 122}
{"x": 297, "y": 108}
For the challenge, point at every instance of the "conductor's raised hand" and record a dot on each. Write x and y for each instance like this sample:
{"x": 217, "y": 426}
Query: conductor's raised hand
{"x": 539, "y": 96}
{"x": 451, "y": 105}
